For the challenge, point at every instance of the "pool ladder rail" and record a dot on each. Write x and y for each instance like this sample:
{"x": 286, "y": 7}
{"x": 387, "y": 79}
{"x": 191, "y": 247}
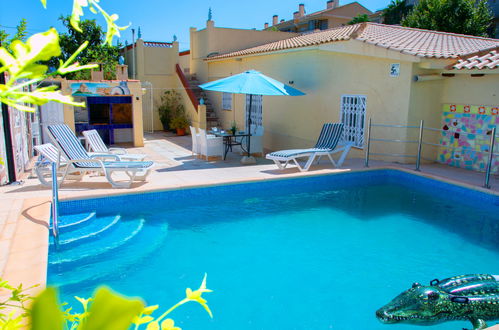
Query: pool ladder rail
{"x": 55, "y": 203}
{"x": 420, "y": 143}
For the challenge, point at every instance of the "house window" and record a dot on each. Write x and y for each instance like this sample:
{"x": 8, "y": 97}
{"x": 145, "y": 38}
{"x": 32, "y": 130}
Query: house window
{"x": 317, "y": 24}
{"x": 226, "y": 101}
{"x": 256, "y": 112}
{"x": 353, "y": 114}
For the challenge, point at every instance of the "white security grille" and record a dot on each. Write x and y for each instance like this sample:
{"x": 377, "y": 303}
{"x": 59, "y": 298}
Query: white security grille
{"x": 353, "y": 113}
{"x": 226, "y": 101}
{"x": 256, "y": 111}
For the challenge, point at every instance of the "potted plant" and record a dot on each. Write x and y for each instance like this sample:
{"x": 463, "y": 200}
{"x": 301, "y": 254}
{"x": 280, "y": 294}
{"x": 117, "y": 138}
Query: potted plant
{"x": 233, "y": 127}
{"x": 180, "y": 123}
{"x": 171, "y": 106}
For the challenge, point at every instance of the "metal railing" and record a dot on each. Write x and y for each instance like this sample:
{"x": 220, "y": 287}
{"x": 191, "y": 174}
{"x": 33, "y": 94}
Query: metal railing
{"x": 420, "y": 144}
{"x": 55, "y": 202}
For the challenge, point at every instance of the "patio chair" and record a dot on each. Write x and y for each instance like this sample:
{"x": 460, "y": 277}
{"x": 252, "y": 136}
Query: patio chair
{"x": 97, "y": 146}
{"x": 327, "y": 145}
{"x": 195, "y": 141}
{"x": 210, "y": 146}
{"x": 78, "y": 158}
{"x": 49, "y": 154}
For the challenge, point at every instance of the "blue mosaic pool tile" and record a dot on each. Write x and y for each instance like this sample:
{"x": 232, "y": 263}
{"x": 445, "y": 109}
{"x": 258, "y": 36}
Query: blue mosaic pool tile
{"x": 191, "y": 196}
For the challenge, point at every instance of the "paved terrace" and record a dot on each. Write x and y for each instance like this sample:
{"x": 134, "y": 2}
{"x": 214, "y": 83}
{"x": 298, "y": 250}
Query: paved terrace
{"x": 25, "y": 208}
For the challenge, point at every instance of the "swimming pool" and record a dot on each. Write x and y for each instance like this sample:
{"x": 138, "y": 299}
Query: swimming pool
{"x": 317, "y": 252}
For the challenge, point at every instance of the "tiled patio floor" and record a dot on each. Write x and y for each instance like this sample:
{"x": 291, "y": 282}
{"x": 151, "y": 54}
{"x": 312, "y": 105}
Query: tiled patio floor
{"x": 24, "y": 208}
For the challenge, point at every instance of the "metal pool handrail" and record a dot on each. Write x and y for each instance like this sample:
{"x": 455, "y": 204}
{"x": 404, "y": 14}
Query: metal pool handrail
{"x": 55, "y": 202}
{"x": 420, "y": 143}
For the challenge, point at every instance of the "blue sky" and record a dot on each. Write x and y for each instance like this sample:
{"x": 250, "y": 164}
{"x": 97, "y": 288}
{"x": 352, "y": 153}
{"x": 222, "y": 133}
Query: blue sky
{"x": 159, "y": 20}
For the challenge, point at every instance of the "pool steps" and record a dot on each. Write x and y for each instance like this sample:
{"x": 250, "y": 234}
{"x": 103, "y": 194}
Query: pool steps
{"x": 88, "y": 234}
{"x": 84, "y": 254}
{"x": 68, "y": 223}
{"x": 66, "y": 256}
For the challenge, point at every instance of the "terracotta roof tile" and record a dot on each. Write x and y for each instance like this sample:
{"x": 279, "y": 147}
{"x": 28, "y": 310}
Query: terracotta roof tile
{"x": 424, "y": 43}
{"x": 483, "y": 60}
{"x": 417, "y": 42}
{"x": 305, "y": 40}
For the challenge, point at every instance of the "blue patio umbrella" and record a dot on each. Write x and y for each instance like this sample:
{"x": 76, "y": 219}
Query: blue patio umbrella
{"x": 253, "y": 83}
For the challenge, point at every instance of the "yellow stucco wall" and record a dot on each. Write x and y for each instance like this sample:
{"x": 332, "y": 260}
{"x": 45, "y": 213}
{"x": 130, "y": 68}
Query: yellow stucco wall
{"x": 155, "y": 65}
{"x": 427, "y": 98}
{"x": 223, "y": 40}
{"x": 464, "y": 89}
{"x": 328, "y": 71}
{"x": 294, "y": 122}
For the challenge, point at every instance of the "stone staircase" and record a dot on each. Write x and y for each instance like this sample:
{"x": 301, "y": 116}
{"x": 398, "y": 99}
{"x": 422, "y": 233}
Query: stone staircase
{"x": 211, "y": 116}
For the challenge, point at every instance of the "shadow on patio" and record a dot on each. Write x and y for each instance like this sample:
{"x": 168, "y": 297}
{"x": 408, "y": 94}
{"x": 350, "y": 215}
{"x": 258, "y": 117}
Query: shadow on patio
{"x": 177, "y": 149}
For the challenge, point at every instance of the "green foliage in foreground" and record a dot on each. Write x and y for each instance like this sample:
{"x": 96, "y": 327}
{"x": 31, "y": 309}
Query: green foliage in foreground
{"x": 13, "y": 308}
{"x": 97, "y": 51}
{"x": 456, "y": 16}
{"x": 23, "y": 60}
{"x": 106, "y": 310}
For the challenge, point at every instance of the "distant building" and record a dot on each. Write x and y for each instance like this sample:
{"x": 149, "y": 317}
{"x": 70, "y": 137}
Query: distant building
{"x": 333, "y": 16}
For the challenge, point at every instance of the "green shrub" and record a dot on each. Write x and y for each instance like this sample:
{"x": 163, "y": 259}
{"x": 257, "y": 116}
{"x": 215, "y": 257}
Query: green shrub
{"x": 106, "y": 310}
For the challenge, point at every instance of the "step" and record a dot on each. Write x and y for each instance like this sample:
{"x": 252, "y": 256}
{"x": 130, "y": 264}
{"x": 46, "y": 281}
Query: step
{"x": 73, "y": 221}
{"x": 123, "y": 259}
{"x": 92, "y": 231}
{"x": 106, "y": 245}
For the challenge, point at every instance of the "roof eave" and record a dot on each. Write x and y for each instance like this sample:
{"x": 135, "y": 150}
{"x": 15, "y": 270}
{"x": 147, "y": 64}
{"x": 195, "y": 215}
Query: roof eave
{"x": 274, "y": 52}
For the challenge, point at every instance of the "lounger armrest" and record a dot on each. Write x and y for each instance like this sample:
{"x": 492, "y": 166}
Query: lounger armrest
{"x": 118, "y": 151}
{"x": 104, "y": 156}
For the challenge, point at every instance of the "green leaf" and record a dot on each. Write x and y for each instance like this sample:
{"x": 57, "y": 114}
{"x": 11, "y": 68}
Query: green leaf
{"x": 149, "y": 309}
{"x": 84, "y": 302}
{"x": 45, "y": 313}
{"x": 143, "y": 320}
{"x": 110, "y": 311}
{"x": 153, "y": 326}
{"x": 23, "y": 62}
{"x": 77, "y": 13}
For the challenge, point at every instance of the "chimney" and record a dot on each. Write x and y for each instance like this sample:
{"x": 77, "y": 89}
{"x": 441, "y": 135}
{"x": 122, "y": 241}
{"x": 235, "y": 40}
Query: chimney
{"x": 275, "y": 19}
{"x": 266, "y": 25}
{"x": 121, "y": 72}
{"x": 282, "y": 20}
{"x": 97, "y": 74}
{"x": 333, "y": 4}
{"x": 301, "y": 9}
{"x": 296, "y": 15}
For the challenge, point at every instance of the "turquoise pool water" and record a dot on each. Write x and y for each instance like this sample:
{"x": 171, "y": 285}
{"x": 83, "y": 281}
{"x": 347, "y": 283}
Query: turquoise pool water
{"x": 312, "y": 253}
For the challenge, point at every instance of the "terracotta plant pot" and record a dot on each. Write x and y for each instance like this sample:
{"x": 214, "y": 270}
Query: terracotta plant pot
{"x": 180, "y": 131}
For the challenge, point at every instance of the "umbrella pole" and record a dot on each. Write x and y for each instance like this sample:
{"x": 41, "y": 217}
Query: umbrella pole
{"x": 249, "y": 126}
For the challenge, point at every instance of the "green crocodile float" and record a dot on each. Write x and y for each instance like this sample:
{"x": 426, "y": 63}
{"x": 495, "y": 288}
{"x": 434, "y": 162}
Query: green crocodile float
{"x": 465, "y": 297}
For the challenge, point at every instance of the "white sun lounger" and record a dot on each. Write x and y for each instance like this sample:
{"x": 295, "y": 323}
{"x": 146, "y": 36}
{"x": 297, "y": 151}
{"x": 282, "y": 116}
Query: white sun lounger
{"x": 48, "y": 155}
{"x": 78, "y": 158}
{"x": 327, "y": 145}
{"x": 97, "y": 146}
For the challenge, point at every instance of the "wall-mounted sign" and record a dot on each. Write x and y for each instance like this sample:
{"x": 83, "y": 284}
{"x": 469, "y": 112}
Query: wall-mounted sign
{"x": 394, "y": 69}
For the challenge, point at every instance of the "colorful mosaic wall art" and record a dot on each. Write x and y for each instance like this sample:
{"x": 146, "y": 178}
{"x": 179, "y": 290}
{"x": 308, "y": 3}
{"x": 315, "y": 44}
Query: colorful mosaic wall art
{"x": 466, "y": 136}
